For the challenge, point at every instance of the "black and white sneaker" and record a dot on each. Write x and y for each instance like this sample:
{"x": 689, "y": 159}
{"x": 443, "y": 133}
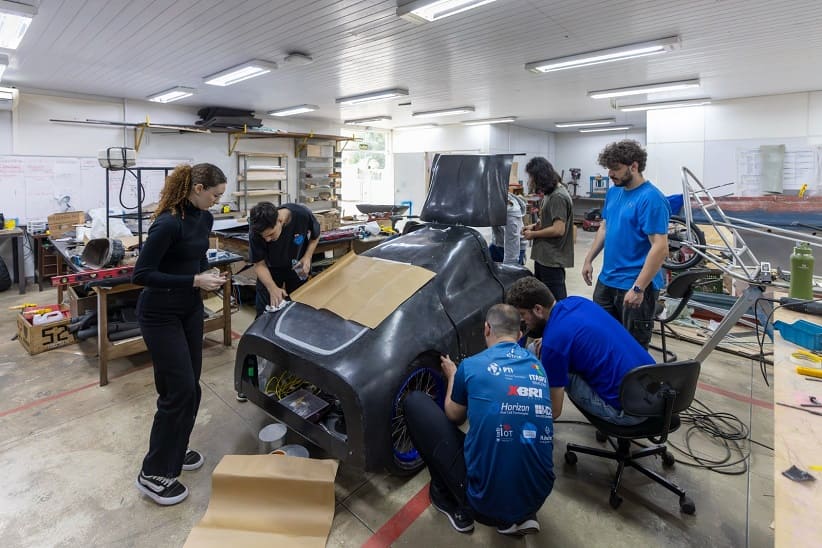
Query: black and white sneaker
{"x": 460, "y": 519}
{"x": 162, "y": 490}
{"x": 241, "y": 397}
{"x": 526, "y": 527}
{"x": 193, "y": 460}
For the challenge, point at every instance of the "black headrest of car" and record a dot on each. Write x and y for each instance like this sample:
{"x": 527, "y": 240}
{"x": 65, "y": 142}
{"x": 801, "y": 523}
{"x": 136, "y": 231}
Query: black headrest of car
{"x": 468, "y": 190}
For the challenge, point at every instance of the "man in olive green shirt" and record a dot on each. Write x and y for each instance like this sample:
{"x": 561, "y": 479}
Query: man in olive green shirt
{"x": 553, "y": 236}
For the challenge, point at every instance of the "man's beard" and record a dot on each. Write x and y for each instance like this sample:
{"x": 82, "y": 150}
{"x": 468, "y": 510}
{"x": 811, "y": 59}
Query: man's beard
{"x": 537, "y": 331}
{"x": 625, "y": 181}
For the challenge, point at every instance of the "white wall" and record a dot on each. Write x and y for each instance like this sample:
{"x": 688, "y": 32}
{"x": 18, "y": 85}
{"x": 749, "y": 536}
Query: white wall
{"x": 580, "y": 150}
{"x": 530, "y": 142}
{"x": 708, "y": 139}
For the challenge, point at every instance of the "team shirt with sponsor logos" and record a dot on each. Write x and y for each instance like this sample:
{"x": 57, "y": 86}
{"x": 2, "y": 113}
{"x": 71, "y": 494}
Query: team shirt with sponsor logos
{"x": 508, "y": 448}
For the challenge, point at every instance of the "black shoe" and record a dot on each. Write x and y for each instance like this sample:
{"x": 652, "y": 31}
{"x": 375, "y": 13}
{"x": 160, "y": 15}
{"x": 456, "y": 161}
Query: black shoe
{"x": 193, "y": 460}
{"x": 460, "y": 519}
{"x": 241, "y": 397}
{"x": 164, "y": 491}
{"x": 525, "y": 527}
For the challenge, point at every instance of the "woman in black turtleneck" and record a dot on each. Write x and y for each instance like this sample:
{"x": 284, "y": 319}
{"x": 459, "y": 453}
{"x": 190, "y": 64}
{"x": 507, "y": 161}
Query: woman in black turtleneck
{"x": 172, "y": 266}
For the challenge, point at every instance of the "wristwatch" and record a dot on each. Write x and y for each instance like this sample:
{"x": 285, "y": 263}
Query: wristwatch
{"x": 636, "y": 289}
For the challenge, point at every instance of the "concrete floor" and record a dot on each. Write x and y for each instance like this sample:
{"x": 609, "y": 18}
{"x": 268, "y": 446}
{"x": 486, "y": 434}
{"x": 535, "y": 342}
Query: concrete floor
{"x": 70, "y": 451}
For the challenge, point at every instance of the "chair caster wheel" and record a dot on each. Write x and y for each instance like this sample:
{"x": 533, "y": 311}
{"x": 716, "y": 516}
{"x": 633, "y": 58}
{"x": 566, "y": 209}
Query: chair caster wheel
{"x": 570, "y": 458}
{"x": 601, "y": 437}
{"x": 668, "y": 459}
{"x": 615, "y": 500}
{"x": 686, "y": 505}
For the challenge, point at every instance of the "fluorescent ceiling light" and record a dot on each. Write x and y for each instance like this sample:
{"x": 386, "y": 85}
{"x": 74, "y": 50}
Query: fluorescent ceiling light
{"x": 442, "y": 112}
{"x": 630, "y": 51}
{"x": 171, "y": 95}
{"x": 360, "y": 121}
{"x": 381, "y": 95}
{"x": 666, "y": 104}
{"x": 647, "y": 88}
{"x": 15, "y": 19}
{"x": 583, "y": 123}
{"x": 4, "y": 64}
{"x": 250, "y": 69}
{"x": 505, "y": 120}
{"x": 599, "y": 129}
{"x": 420, "y": 11}
{"x": 290, "y": 111}
{"x": 418, "y": 126}
{"x": 7, "y": 94}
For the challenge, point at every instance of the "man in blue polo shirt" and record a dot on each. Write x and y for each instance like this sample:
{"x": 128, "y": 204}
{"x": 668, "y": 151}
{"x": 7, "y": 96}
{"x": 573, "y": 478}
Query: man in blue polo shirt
{"x": 585, "y": 351}
{"x": 501, "y": 471}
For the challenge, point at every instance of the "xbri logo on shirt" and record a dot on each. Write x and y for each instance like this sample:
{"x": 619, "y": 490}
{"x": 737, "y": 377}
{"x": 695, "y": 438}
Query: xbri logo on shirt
{"x": 525, "y": 391}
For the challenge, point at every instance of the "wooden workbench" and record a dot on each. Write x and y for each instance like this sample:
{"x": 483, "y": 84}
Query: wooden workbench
{"x": 109, "y": 350}
{"x": 797, "y": 441}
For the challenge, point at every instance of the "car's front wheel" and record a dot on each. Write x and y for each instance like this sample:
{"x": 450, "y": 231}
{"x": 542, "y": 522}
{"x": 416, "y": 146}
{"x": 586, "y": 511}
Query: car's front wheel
{"x": 422, "y": 375}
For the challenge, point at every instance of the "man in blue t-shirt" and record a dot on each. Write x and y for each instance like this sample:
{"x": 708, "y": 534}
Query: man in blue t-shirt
{"x": 585, "y": 351}
{"x": 636, "y": 214}
{"x": 501, "y": 471}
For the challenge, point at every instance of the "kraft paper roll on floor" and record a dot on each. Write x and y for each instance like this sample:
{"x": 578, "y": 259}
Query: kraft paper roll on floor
{"x": 268, "y": 500}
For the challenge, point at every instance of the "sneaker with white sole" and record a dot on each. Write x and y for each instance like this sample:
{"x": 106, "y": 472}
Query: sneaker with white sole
{"x": 193, "y": 460}
{"x": 525, "y": 527}
{"x": 460, "y": 519}
{"x": 162, "y": 490}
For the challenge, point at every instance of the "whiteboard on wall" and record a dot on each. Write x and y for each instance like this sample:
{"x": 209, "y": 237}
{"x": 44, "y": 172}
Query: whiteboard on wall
{"x": 34, "y": 187}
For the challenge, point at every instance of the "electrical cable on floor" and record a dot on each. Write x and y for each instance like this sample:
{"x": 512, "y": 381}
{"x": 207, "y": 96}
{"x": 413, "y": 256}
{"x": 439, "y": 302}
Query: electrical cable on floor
{"x": 724, "y": 429}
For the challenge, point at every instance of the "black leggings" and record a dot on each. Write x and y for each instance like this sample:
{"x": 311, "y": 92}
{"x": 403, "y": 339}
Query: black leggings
{"x": 440, "y": 444}
{"x": 171, "y": 321}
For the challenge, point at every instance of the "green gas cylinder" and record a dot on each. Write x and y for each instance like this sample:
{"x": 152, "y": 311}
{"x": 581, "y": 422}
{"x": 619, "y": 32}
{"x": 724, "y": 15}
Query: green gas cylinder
{"x": 802, "y": 271}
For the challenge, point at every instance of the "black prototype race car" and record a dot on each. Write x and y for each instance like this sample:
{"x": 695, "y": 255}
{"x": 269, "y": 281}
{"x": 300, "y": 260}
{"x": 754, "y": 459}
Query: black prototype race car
{"x": 345, "y": 383}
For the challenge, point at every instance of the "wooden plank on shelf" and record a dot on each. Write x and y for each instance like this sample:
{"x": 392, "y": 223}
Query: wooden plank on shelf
{"x": 259, "y": 193}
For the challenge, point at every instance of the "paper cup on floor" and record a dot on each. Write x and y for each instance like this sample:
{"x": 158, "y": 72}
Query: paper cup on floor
{"x": 272, "y": 437}
{"x": 292, "y": 450}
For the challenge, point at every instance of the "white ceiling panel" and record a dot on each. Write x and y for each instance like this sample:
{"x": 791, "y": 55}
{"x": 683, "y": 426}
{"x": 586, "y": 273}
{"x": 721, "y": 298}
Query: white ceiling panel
{"x": 133, "y": 48}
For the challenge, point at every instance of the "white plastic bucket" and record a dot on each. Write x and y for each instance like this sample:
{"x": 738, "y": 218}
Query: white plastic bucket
{"x": 272, "y": 437}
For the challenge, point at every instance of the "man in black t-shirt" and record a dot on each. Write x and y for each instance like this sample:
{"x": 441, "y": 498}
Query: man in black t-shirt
{"x": 281, "y": 242}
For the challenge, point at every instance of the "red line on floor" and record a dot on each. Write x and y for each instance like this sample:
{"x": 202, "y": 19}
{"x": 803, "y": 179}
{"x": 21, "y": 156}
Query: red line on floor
{"x": 65, "y": 393}
{"x": 733, "y": 395}
{"x": 399, "y": 522}
{"x": 235, "y": 335}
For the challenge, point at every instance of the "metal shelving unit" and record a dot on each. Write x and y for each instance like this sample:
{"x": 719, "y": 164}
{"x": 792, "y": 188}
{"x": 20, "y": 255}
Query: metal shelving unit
{"x": 261, "y": 176}
{"x": 139, "y": 215}
{"x": 320, "y": 171}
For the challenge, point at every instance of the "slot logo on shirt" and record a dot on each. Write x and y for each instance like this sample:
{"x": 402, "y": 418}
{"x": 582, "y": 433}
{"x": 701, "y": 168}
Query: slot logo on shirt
{"x": 529, "y": 434}
{"x": 505, "y": 433}
{"x": 525, "y": 391}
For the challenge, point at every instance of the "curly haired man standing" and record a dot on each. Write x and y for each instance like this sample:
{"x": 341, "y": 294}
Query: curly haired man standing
{"x": 634, "y": 234}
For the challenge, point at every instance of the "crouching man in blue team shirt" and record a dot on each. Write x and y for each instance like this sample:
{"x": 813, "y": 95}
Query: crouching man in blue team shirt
{"x": 585, "y": 351}
{"x": 501, "y": 471}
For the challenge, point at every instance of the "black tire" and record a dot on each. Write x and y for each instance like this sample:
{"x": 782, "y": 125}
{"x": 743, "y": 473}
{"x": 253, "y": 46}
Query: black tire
{"x": 668, "y": 460}
{"x": 681, "y": 242}
{"x": 5, "y": 277}
{"x": 570, "y": 458}
{"x": 601, "y": 436}
{"x": 424, "y": 374}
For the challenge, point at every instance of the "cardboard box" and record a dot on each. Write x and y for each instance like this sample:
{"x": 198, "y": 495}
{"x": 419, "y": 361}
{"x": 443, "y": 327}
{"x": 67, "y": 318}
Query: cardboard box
{"x": 329, "y": 220}
{"x": 61, "y": 223}
{"x": 80, "y": 305}
{"x": 40, "y": 338}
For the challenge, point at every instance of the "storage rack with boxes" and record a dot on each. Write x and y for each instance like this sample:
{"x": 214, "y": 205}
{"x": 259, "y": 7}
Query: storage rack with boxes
{"x": 320, "y": 166}
{"x": 261, "y": 177}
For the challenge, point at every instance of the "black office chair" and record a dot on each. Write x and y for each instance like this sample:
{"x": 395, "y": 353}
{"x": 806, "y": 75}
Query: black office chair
{"x": 682, "y": 287}
{"x": 659, "y": 392}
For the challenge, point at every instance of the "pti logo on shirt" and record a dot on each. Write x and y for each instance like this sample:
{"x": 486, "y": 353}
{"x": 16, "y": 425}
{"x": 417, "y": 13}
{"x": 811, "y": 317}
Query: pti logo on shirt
{"x": 495, "y": 369}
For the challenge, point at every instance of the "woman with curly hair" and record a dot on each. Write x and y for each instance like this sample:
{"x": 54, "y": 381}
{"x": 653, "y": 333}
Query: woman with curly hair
{"x": 173, "y": 268}
{"x": 553, "y": 236}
